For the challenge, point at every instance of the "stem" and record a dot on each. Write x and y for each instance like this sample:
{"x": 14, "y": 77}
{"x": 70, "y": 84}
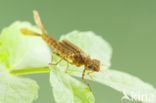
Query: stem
{"x": 30, "y": 70}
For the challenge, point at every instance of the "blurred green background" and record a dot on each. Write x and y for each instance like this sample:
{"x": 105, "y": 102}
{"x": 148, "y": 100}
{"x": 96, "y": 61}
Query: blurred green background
{"x": 128, "y": 25}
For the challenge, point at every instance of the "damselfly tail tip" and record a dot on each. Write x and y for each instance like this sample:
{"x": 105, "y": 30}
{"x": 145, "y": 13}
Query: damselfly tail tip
{"x": 24, "y": 31}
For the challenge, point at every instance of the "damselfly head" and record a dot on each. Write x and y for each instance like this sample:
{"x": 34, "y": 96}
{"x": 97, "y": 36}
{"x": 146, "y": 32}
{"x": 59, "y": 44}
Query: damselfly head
{"x": 94, "y": 65}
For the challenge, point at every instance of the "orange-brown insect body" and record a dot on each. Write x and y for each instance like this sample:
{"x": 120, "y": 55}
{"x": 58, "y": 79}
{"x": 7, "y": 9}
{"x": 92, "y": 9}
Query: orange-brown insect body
{"x": 68, "y": 50}
{"x": 65, "y": 49}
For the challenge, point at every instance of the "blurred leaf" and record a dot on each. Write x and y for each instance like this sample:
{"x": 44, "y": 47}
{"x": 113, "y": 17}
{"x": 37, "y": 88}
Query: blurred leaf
{"x": 69, "y": 90}
{"x": 14, "y": 89}
{"x": 97, "y": 48}
{"x": 128, "y": 84}
{"x": 18, "y": 51}
{"x": 2, "y": 67}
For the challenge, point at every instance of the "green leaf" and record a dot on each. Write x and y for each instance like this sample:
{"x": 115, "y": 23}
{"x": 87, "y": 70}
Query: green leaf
{"x": 18, "y": 51}
{"x": 127, "y": 84}
{"x": 67, "y": 89}
{"x": 2, "y": 67}
{"x": 123, "y": 82}
{"x": 15, "y": 89}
